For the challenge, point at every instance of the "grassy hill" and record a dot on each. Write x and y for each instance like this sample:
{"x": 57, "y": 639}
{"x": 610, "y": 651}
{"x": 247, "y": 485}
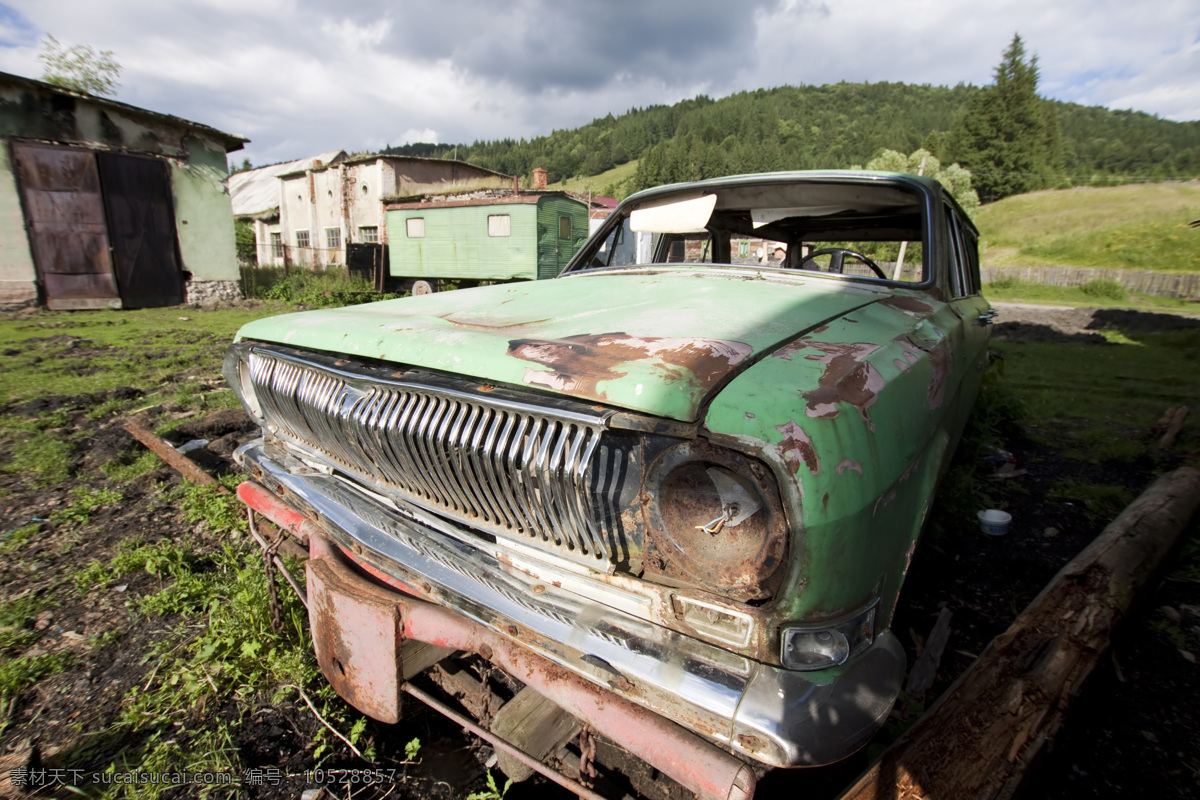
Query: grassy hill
{"x": 613, "y": 182}
{"x": 1143, "y": 226}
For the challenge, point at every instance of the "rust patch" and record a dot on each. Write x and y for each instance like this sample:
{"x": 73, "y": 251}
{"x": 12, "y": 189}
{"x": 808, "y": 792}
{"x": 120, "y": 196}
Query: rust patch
{"x": 578, "y": 363}
{"x": 847, "y": 379}
{"x": 848, "y": 464}
{"x": 909, "y": 304}
{"x": 939, "y": 358}
{"x": 797, "y": 448}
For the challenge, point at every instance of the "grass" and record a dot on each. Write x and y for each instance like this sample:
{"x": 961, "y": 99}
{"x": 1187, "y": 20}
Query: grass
{"x": 613, "y": 183}
{"x": 1097, "y": 294}
{"x": 1105, "y": 399}
{"x": 1125, "y": 227}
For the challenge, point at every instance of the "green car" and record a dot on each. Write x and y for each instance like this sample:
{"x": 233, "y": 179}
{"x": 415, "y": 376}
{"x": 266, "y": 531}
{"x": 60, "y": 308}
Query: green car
{"x": 672, "y": 493}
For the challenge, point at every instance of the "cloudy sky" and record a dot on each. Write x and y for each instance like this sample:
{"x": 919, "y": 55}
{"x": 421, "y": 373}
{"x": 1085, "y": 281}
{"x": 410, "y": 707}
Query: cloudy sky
{"x": 300, "y": 77}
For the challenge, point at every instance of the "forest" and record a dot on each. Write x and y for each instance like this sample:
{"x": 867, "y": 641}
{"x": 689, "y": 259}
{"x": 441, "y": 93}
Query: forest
{"x": 839, "y": 126}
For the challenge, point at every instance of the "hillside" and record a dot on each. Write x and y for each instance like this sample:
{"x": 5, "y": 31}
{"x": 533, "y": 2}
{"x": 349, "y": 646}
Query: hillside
{"x": 1132, "y": 227}
{"x": 831, "y": 126}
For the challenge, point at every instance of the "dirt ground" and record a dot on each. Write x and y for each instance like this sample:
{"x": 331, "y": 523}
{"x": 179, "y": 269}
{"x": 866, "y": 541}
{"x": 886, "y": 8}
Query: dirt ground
{"x": 1133, "y": 732}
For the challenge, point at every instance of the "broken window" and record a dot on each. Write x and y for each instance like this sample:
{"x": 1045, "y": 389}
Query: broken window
{"x": 333, "y": 238}
{"x": 276, "y": 245}
{"x": 302, "y": 239}
{"x": 368, "y": 234}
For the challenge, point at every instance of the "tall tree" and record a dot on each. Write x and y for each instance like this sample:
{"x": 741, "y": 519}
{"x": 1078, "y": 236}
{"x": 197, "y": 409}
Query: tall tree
{"x": 1001, "y": 135}
{"x": 80, "y": 67}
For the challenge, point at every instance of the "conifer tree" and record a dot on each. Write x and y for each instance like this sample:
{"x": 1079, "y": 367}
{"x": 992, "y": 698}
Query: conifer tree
{"x": 1001, "y": 136}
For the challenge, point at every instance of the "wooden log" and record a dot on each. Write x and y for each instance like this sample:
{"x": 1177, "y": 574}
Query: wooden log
{"x": 177, "y": 460}
{"x": 981, "y": 736}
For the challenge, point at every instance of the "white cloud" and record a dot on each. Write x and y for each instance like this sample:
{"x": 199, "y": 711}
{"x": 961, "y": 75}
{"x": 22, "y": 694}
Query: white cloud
{"x": 305, "y": 76}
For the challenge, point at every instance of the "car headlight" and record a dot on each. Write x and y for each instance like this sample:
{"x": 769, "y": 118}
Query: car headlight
{"x": 236, "y": 369}
{"x": 714, "y": 520}
{"x": 812, "y": 647}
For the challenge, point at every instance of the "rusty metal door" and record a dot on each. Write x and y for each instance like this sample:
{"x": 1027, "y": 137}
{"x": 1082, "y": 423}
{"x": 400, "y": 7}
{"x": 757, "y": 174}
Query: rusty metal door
{"x": 64, "y": 212}
{"x": 141, "y": 228}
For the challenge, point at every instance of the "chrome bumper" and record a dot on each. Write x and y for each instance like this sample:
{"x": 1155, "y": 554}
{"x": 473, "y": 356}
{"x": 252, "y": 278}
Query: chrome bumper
{"x": 778, "y": 717}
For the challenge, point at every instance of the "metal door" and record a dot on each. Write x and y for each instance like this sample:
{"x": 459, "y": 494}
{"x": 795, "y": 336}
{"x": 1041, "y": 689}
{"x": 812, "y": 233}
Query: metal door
{"x": 64, "y": 212}
{"x": 141, "y": 228}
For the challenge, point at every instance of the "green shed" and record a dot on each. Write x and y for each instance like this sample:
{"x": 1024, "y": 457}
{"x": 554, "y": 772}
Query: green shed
{"x": 514, "y": 237}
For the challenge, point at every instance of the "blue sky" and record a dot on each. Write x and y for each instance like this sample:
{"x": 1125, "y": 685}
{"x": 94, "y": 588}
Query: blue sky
{"x": 300, "y": 77}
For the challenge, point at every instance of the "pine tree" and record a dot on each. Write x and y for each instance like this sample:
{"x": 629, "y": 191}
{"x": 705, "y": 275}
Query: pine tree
{"x": 1001, "y": 136}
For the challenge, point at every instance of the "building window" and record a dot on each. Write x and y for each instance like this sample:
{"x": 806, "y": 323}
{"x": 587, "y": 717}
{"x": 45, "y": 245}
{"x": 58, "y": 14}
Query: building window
{"x": 276, "y": 245}
{"x": 333, "y": 238}
{"x": 368, "y": 234}
{"x": 302, "y": 239}
{"x": 499, "y": 225}
{"x": 743, "y": 249}
{"x": 415, "y": 227}
{"x": 564, "y": 227}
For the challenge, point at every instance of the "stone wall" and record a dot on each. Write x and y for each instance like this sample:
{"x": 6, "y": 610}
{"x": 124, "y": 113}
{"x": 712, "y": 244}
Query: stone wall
{"x": 212, "y": 293}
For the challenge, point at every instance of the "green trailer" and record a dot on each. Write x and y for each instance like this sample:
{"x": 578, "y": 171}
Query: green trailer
{"x": 496, "y": 239}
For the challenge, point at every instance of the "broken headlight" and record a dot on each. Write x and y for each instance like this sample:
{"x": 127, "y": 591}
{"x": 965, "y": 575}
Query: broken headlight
{"x": 713, "y": 520}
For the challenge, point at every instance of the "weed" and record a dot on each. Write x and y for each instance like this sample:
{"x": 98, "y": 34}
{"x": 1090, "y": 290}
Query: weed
{"x": 218, "y": 510}
{"x": 1101, "y": 502}
{"x": 15, "y": 538}
{"x": 412, "y": 749}
{"x": 1106, "y": 289}
{"x": 16, "y": 612}
{"x": 18, "y": 674}
{"x": 131, "y": 465}
{"x": 492, "y": 793}
{"x": 47, "y": 458}
{"x": 86, "y": 501}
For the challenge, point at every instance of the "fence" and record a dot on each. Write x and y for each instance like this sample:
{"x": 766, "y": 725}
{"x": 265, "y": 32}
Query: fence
{"x": 1160, "y": 284}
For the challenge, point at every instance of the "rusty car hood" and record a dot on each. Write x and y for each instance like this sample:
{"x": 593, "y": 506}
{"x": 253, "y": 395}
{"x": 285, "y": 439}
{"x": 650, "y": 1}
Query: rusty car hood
{"x": 655, "y": 343}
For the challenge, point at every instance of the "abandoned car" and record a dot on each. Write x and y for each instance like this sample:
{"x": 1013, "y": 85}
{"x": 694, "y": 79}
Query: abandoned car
{"x": 674, "y": 491}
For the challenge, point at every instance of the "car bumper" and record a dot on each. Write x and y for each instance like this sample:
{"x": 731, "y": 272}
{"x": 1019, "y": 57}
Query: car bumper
{"x": 774, "y": 716}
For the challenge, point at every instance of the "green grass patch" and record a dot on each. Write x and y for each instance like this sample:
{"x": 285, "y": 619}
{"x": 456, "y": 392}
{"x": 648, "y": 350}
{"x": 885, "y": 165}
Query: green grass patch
{"x": 1100, "y": 402}
{"x": 47, "y": 459}
{"x": 1009, "y": 289}
{"x": 18, "y": 674}
{"x": 612, "y": 183}
{"x": 131, "y": 465}
{"x": 1141, "y": 226}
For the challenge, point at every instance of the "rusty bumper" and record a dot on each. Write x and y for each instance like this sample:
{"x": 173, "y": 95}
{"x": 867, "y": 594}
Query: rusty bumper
{"x": 772, "y": 715}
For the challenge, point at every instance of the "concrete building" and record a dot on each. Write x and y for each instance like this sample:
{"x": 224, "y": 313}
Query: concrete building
{"x": 255, "y": 195}
{"x": 103, "y": 204}
{"x": 325, "y": 209}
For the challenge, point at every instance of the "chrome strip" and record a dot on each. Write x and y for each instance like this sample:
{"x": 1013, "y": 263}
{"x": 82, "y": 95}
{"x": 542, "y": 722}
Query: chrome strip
{"x": 779, "y": 717}
{"x": 513, "y": 470}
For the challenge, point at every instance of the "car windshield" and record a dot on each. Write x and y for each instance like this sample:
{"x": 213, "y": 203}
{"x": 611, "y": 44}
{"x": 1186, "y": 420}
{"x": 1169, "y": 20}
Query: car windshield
{"x": 856, "y": 228}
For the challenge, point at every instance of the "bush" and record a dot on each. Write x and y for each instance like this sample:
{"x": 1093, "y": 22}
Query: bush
{"x": 1105, "y": 289}
{"x": 1005, "y": 281}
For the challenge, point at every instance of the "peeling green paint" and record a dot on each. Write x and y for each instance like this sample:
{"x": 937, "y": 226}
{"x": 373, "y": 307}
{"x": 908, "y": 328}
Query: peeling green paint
{"x": 829, "y": 398}
{"x": 659, "y": 344}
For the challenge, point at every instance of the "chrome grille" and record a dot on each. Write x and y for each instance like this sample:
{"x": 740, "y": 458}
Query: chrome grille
{"x": 514, "y": 470}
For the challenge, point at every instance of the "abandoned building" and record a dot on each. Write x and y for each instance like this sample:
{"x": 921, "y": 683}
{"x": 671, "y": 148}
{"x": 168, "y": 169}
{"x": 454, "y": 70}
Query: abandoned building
{"x": 105, "y": 205}
{"x": 255, "y": 197}
{"x": 325, "y": 209}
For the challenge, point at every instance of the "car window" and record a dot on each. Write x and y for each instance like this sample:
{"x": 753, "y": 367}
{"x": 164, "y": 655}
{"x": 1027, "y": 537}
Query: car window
{"x": 842, "y": 228}
{"x": 964, "y": 256}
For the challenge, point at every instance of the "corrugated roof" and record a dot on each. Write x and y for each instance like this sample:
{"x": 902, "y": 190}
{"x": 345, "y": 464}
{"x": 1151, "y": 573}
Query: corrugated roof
{"x": 505, "y": 200}
{"x": 257, "y": 191}
{"x": 230, "y": 141}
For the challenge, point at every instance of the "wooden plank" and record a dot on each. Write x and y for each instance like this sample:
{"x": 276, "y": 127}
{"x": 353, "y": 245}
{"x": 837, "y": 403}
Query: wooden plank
{"x": 536, "y": 725}
{"x": 981, "y": 737}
